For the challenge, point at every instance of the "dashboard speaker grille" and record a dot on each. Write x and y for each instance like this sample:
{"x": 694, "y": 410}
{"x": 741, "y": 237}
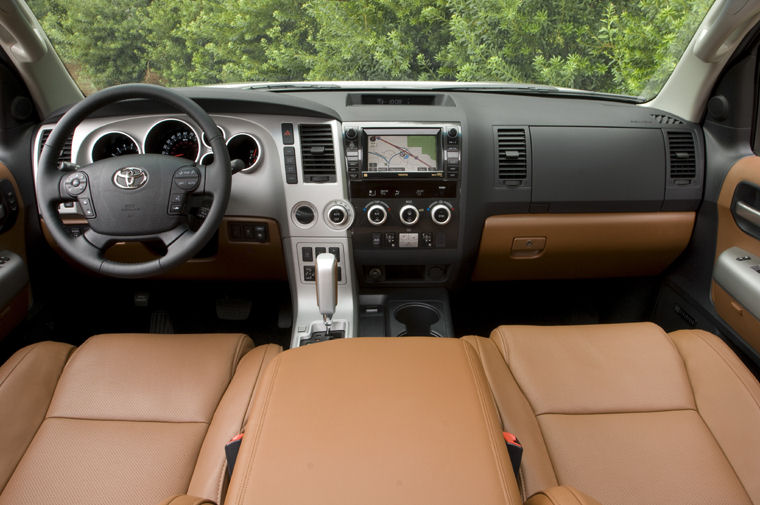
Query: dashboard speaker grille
{"x": 317, "y": 153}
{"x": 65, "y": 154}
{"x": 682, "y": 157}
{"x": 512, "y": 151}
{"x": 665, "y": 119}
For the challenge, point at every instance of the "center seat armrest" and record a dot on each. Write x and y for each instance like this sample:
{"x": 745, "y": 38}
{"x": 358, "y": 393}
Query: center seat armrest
{"x": 374, "y": 421}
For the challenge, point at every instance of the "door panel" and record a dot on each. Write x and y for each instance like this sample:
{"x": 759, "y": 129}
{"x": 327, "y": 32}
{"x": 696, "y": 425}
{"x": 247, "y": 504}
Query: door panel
{"x": 739, "y": 228}
{"x": 14, "y": 278}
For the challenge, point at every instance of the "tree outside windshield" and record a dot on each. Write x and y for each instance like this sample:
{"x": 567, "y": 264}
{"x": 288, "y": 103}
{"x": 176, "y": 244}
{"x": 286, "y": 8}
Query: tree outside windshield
{"x": 623, "y": 47}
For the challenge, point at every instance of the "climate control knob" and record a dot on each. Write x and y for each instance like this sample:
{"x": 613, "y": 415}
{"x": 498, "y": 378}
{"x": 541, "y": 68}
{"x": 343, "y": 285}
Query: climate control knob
{"x": 440, "y": 214}
{"x": 409, "y": 215}
{"x": 377, "y": 214}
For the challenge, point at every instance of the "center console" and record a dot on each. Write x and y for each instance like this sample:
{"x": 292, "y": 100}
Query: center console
{"x": 404, "y": 185}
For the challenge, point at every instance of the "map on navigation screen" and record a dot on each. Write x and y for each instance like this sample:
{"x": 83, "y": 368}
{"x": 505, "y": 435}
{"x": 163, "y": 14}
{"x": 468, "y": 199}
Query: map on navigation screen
{"x": 402, "y": 153}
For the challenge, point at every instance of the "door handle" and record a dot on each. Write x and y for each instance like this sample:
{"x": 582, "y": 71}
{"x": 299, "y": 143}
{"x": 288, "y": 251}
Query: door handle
{"x": 749, "y": 213}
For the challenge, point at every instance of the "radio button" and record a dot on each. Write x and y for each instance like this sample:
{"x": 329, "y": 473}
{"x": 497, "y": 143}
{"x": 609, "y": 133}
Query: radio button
{"x": 409, "y": 215}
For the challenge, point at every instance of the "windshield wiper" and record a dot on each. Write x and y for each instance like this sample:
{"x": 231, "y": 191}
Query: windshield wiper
{"x": 292, "y": 87}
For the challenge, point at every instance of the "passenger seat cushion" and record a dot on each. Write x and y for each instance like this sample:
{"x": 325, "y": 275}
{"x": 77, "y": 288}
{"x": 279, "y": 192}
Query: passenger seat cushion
{"x": 622, "y": 414}
{"x": 27, "y": 382}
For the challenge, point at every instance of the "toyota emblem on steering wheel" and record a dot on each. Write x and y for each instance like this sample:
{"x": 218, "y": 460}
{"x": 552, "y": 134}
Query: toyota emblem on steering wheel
{"x": 130, "y": 178}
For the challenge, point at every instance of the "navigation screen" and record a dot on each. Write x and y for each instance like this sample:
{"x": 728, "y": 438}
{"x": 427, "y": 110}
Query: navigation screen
{"x": 402, "y": 153}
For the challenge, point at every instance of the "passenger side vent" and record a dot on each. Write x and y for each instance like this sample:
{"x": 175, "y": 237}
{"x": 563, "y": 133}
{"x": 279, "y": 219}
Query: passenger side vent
{"x": 317, "y": 153}
{"x": 665, "y": 119}
{"x": 682, "y": 157}
{"x": 512, "y": 152}
{"x": 65, "y": 154}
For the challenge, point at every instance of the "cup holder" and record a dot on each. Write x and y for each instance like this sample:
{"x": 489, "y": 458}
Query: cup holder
{"x": 417, "y": 319}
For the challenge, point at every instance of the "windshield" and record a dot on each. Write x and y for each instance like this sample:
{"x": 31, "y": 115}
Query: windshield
{"x": 620, "y": 47}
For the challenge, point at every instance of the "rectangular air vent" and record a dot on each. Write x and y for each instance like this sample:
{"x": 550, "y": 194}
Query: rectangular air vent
{"x": 682, "y": 158}
{"x": 317, "y": 153}
{"x": 512, "y": 152}
{"x": 65, "y": 154}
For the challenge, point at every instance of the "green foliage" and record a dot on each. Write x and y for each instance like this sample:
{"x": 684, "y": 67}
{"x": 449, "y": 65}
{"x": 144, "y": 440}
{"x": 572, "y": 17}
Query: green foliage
{"x": 623, "y": 46}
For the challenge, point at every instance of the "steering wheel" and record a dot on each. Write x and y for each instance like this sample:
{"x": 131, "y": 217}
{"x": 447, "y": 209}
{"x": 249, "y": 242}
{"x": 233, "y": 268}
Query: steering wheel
{"x": 136, "y": 197}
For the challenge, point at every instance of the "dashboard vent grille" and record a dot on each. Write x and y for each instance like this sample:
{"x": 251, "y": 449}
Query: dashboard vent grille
{"x": 682, "y": 157}
{"x": 65, "y": 154}
{"x": 665, "y": 119}
{"x": 512, "y": 149}
{"x": 317, "y": 153}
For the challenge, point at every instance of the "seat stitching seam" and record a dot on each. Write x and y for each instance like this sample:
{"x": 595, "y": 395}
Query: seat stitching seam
{"x": 617, "y": 412}
{"x": 70, "y": 418}
{"x": 267, "y": 351}
{"x": 257, "y": 434}
{"x": 669, "y": 339}
{"x": 478, "y": 387}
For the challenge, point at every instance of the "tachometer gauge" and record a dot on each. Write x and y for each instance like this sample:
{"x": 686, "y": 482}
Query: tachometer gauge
{"x": 113, "y": 144}
{"x": 181, "y": 144}
{"x": 173, "y": 137}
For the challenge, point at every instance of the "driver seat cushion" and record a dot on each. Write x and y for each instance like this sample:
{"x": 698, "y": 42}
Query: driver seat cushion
{"x": 133, "y": 419}
{"x": 627, "y": 413}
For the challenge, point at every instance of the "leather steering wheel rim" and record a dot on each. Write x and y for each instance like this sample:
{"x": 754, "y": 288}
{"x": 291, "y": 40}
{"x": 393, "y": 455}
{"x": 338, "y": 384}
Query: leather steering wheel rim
{"x": 181, "y": 243}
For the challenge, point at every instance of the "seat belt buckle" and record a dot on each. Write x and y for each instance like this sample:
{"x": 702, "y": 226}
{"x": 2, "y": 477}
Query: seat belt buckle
{"x": 231, "y": 451}
{"x": 515, "y": 450}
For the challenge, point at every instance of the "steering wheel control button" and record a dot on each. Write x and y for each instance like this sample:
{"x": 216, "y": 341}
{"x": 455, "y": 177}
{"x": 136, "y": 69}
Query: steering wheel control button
{"x": 187, "y": 178}
{"x": 75, "y": 184}
{"x": 376, "y": 214}
{"x": 409, "y": 215}
{"x": 441, "y": 214}
{"x": 87, "y": 209}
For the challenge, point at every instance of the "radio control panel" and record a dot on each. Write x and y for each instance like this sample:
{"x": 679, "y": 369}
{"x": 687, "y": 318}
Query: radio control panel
{"x": 404, "y": 186}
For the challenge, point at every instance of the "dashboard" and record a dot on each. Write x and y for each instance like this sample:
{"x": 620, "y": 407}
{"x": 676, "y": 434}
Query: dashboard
{"x": 421, "y": 188}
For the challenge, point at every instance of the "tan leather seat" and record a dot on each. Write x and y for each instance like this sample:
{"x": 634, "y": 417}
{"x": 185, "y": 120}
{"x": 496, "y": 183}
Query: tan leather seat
{"x": 628, "y": 414}
{"x": 125, "y": 418}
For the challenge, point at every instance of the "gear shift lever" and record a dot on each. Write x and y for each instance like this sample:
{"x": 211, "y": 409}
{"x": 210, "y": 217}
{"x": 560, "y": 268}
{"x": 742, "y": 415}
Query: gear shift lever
{"x": 327, "y": 287}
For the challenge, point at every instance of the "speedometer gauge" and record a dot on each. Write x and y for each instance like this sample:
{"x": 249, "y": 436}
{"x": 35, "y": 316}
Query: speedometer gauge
{"x": 181, "y": 144}
{"x": 173, "y": 137}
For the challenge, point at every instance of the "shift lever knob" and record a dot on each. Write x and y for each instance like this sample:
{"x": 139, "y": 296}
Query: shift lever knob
{"x": 327, "y": 287}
